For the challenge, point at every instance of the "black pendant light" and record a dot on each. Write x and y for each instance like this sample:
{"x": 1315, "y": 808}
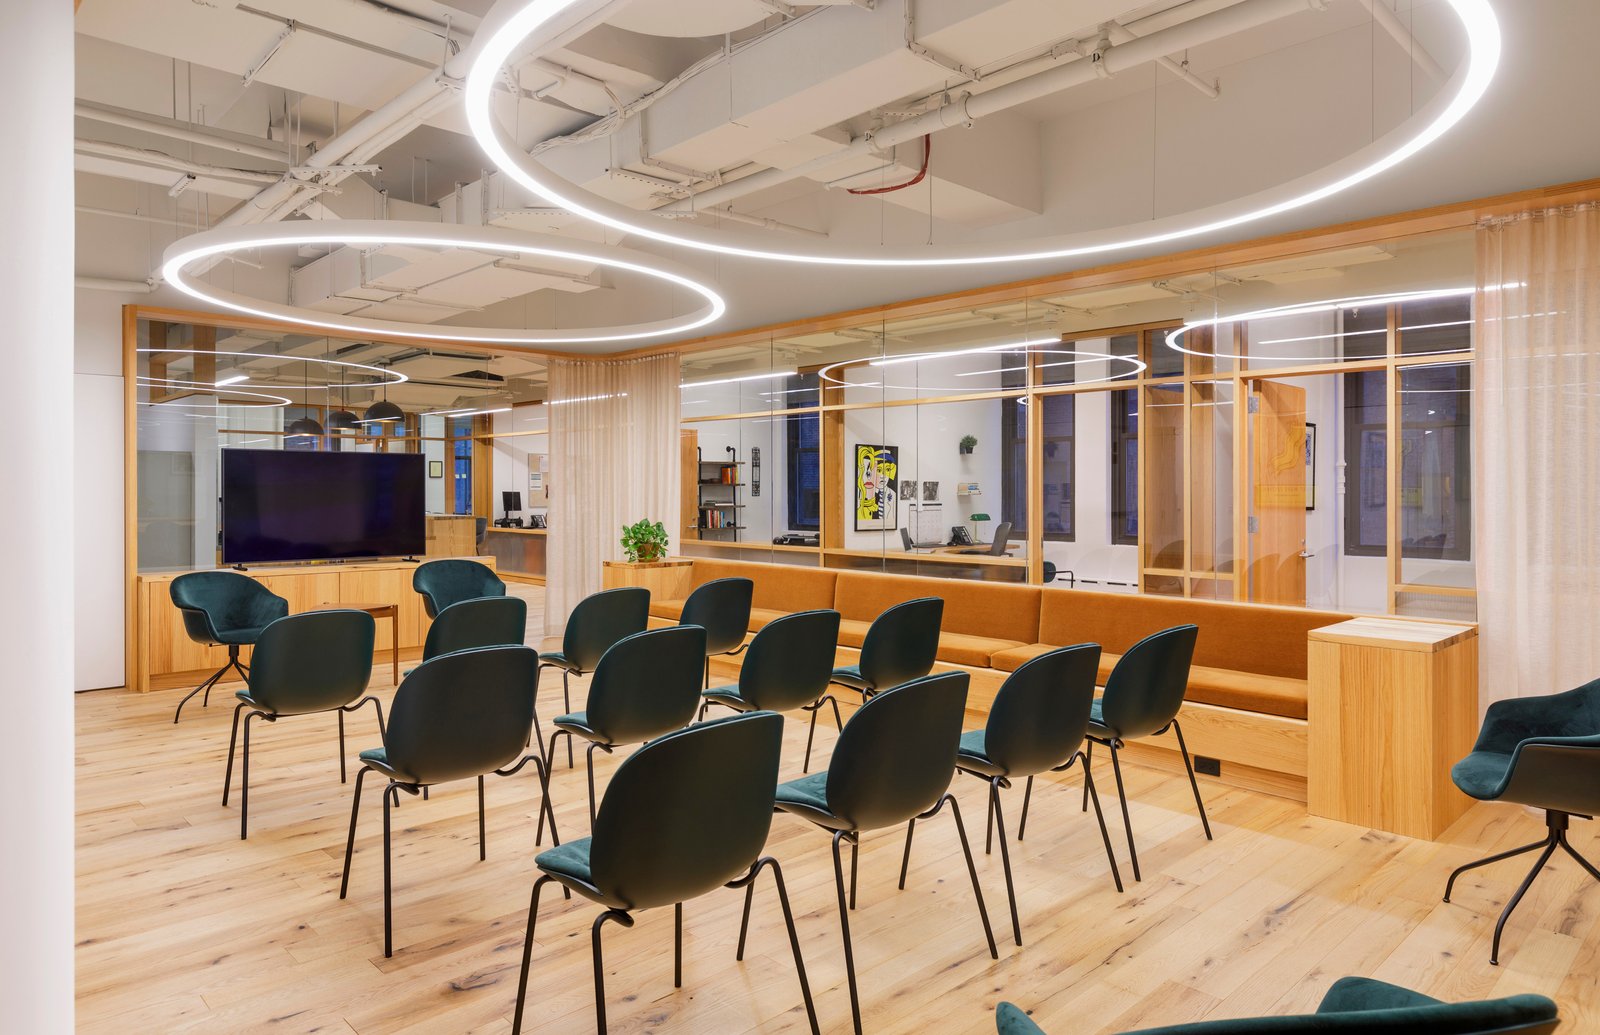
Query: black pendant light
{"x": 342, "y": 419}
{"x": 305, "y": 427}
{"x": 383, "y": 410}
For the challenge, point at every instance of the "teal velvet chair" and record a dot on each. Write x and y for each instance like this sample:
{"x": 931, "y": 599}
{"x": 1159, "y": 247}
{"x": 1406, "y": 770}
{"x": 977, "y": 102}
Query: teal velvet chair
{"x": 644, "y": 687}
{"x": 1036, "y": 725}
{"x": 688, "y": 813}
{"x": 480, "y": 622}
{"x": 1358, "y": 1005}
{"x": 320, "y": 661}
{"x": 722, "y": 608}
{"x": 451, "y": 581}
{"x": 894, "y": 763}
{"x": 1142, "y": 696}
{"x": 901, "y": 645}
{"x": 597, "y": 622}
{"x": 223, "y": 608}
{"x": 787, "y": 666}
{"x": 458, "y": 717}
{"x": 1543, "y": 752}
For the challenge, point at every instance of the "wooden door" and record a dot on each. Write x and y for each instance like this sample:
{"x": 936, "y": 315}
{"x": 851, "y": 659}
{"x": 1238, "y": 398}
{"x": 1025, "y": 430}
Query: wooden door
{"x": 1277, "y": 521}
{"x": 689, "y": 484}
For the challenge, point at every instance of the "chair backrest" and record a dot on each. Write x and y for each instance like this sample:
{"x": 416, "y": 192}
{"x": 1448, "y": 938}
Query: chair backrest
{"x": 600, "y": 620}
{"x": 462, "y": 714}
{"x": 447, "y": 582}
{"x": 213, "y": 602}
{"x": 789, "y": 661}
{"x": 906, "y": 540}
{"x": 897, "y": 754}
{"x": 722, "y": 608}
{"x": 1146, "y": 688}
{"x": 688, "y": 812}
{"x": 1513, "y": 1015}
{"x": 647, "y": 684}
{"x": 902, "y": 642}
{"x": 1049, "y": 571}
{"x": 1554, "y": 742}
{"x": 480, "y": 528}
{"x": 312, "y": 662}
{"x": 1041, "y": 713}
{"x": 481, "y": 622}
{"x": 1002, "y": 538}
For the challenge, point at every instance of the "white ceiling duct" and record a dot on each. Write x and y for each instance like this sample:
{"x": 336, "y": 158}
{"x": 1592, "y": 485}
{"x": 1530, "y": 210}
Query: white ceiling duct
{"x": 688, "y": 18}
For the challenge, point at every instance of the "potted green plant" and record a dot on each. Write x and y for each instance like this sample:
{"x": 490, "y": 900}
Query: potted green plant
{"x": 644, "y": 542}
{"x": 968, "y": 444}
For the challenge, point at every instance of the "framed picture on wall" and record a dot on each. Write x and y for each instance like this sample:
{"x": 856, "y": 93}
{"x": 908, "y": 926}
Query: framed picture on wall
{"x": 435, "y": 468}
{"x": 1311, "y": 467}
{"x": 877, "y": 501}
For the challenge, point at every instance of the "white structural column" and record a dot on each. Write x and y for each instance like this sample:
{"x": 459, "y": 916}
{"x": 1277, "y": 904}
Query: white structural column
{"x": 36, "y": 292}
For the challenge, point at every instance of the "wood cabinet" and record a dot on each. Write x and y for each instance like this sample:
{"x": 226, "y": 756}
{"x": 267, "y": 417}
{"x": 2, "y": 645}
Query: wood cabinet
{"x": 452, "y": 535}
{"x": 1393, "y": 704}
{"x": 666, "y": 580}
{"x": 166, "y": 657}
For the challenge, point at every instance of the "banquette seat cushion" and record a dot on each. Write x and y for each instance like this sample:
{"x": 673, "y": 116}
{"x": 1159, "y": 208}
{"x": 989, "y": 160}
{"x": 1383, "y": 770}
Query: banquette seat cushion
{"x": 780, "y": 589}
{"x": 979, "y": 618}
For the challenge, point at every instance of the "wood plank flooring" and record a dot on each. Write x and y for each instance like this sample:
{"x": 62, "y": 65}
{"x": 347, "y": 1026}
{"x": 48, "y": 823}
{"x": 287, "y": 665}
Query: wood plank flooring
{"x": 182, "y": 927}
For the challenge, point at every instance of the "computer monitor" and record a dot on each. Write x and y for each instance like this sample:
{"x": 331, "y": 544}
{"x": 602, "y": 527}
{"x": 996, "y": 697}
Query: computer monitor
{"x": 511, "y": 502}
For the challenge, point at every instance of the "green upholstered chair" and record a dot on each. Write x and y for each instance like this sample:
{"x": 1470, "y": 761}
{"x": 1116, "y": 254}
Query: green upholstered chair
{"x": 643, "y": 687}
{"x": 1543, "y": 752}
{"x": 598, "y": 621}
{"x": 722, "y": 608}
{"x": 900, "y": 646}
{"x": 227, "y": 609}
{"x": 1142, "y": 698}
{"x": 451, "y": 581}
{"x": 787, "y": 666}
{"x": 320, "y": 661}
{"x": 893, "y": 763}
{"x": 686, "y": 814}
{"x": 1359, "y": 1005}
{"x": 1036, "y": 725}
{"x": 458, "y": 717}
{"x": 479, "y": 622}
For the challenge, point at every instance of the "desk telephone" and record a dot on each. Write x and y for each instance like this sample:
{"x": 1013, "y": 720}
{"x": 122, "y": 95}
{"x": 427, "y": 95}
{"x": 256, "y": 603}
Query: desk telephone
{"x": 959, "y": 536}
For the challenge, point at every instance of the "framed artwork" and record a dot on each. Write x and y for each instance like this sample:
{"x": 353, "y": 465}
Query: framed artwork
{"x": 877, "y": 501}
{"x": 930, "y": 492}
{"x": 1311, "y": 467}
{"x": 435, "y": 468}
{"x": 908, "y": 489}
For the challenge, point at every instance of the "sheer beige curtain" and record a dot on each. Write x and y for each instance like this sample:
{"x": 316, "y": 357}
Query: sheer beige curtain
{"x": 613, "y": 461}
{"x": 1537, "y": 437}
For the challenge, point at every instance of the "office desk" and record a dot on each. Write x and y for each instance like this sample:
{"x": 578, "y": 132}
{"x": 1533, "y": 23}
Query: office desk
{"x": 938, "y": 565}
{"x": 520, "y": 552}
{"x": 981, "y": 548}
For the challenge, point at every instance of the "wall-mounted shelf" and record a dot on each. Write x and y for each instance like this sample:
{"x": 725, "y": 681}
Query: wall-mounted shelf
{"x": 717, "y": 500}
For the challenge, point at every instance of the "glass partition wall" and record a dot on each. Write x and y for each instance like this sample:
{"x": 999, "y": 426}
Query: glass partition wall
{"x": 199, "y": 389}
{"x": 1293, "y": 432}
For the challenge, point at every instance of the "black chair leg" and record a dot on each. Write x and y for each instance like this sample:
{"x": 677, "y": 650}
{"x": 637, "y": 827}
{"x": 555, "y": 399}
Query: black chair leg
{"x": 566, "y": 700}
{"x": 1450, "y": 884}
{"x": 1527, "y": 882}
{"x": 1027, "y": 793}
{"x": 1005, "y": 857}
{"x": 1088, "y": 760}
{"x": 483, "y": 843}
{"x": 590, "y": 757}
{"x": 677, "y": 943}
{"x": 233, "y": 740}
{"x": 972, "y": 869}
{"x": 749, "y": 883}
{"x": 1105, "y": 836}
{"x": 377, "y": 706}
{"x": 244, "y": 781}
{"x": 390, "y": 792}
{"x": 844, "y": 927}
{"x": 905, "y": 859}
{"x": 1586, "y": 864}
{"x": 810, "y": 735}
{"x": 350, "y": 842}
{"x": 855, "y": 850}
{"x": 599, "y": 966}
{"x": 527, "y": 951}
{"x": 1122, "y": 796}
{"x": 206, "y": 686}
{"x": 1199, "y": 805}
{"x": 342, "y": 776}
{"x": 988, "y": 828}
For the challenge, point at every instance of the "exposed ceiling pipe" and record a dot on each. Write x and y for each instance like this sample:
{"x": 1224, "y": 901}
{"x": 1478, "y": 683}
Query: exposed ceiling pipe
{"x": 1122, "y": 34}
{"x": 1392, "y": 25}
{"x": 968, "y": 108}
{"x": 193, "y": 136}
{"x": 762, "y": 221}
{"x": 131, "y": 287}
{"x": 162, "y": 160}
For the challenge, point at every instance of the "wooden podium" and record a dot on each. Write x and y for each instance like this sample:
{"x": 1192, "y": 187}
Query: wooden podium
{"x": 1393, "y": 704}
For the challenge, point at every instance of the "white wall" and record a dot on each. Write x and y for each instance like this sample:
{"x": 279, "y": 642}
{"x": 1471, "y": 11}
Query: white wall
{"x": 510, "y": 456}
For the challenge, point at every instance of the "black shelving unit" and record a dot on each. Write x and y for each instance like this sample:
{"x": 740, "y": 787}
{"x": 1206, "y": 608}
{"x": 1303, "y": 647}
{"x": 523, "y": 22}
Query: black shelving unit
{"x": 719, "y": 509}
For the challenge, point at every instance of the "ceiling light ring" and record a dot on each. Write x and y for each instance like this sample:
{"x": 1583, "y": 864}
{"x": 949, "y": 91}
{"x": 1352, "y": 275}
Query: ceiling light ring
{"x": 493, "y": 239}
{"x": 1136, "y": 367}
{"x": 389, "y": 374}
{"x": 189, "y": 387}
{"x": 1453, "y": 102}
{"x": 1327, "y": 305}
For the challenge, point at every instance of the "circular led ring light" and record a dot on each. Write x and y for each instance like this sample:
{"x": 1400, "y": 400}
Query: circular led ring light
{"x": 1449, "y": 107}
{"x": 389, "y": 375}
{"x": 378, "y": 232}
{"x": 1136, "y": 366}
{"x": 200, "y": 387}
{"x": 1327, "y": 305}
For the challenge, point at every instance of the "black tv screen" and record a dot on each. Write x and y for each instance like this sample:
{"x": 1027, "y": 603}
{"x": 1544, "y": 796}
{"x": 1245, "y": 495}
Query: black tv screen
{"x": 309, "y": 506}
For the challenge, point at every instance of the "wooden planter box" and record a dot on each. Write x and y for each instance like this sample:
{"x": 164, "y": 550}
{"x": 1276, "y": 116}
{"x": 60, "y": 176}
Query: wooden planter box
{"x": 666, "y": 580}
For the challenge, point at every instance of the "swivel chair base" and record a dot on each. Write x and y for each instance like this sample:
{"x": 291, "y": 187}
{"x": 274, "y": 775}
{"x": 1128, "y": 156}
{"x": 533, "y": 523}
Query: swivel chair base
{"x": 233, "y": 662}
{"x": 1556, "y": 822}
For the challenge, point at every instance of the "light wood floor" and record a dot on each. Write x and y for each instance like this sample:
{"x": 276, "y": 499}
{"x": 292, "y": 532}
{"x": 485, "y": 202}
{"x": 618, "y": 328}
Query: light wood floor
{"x": 182, "y": 927}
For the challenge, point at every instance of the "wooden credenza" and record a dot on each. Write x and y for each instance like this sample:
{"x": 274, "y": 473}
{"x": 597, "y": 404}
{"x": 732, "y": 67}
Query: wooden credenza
{"x": 164, "y": 656}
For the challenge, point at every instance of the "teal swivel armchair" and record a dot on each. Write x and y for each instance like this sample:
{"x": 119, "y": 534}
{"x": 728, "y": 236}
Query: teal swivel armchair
{"x": 446, "y": 582}
{"x": 223, "y": 608}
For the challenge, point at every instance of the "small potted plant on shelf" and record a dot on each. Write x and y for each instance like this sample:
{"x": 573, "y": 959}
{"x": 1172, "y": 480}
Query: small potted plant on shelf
{"x": 644, "y": 542}
{"x": 968, "y": 444}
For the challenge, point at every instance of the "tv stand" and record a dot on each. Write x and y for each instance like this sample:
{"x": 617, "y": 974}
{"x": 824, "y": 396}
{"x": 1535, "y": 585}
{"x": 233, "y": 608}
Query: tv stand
{"x": 240, "y": 567}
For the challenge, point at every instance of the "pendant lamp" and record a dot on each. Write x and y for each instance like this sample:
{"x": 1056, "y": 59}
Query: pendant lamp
{"x": 305, "y": 427}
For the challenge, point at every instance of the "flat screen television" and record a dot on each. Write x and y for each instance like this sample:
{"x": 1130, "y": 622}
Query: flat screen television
{"x": 288, "y": 505}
